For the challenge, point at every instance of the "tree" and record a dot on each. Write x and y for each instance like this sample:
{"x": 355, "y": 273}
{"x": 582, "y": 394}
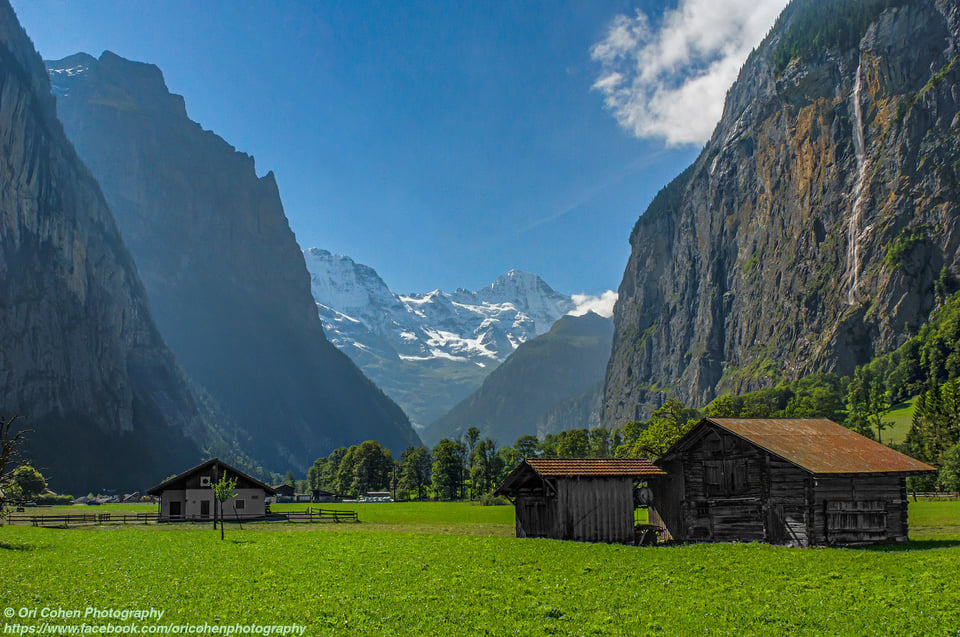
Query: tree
{"x": 723, "y": 407}
{"x": 936, "y": 421}
{"x": 867, "y": 402}
{"x": 949, "y": 477}
{"x": 345, "y": 471}
{"x": 415, "y": 469}
{"x": 223, "y": 489}
{"x": 10, "y": 445}
{"x": 472, "y": 436}
{"x": 29, "y": 482}
{"x": 599, "y": 442}
{"x": 509, "y": 458}
{"x": 290, "y": 480}
{"x": 373, "y": 467}
{"x": 573, "y": 443}
{"x": 484, "y": 466}
{"x": 650, "y": 439}
{"x": 447, "y": 470}
{"x": 526, "y": 446}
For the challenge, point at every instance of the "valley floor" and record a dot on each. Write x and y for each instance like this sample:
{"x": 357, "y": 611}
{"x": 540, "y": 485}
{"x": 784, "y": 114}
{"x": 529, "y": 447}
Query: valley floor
{"x": 454, "y": 569}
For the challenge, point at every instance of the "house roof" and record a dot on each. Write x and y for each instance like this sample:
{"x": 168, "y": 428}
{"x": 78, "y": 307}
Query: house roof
{"x": 533, "y": 470}
{"x": 817, "y": 445}
{"x": 157, "y": 490}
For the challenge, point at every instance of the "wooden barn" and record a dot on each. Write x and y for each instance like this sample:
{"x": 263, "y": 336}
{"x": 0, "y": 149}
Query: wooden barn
{"x": 589, "y": 500}
{"x": 188, "y": 496}
{"x": 784, "y": 481}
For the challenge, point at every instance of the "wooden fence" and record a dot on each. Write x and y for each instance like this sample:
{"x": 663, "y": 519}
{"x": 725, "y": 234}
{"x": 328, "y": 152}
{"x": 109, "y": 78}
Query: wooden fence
{"x": 84, "y": 518}
{"x": 317, "y": 515}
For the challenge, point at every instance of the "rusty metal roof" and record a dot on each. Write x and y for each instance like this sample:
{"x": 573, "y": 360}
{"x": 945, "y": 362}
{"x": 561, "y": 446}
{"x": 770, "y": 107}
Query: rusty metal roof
{"x": 594, "y": 467}
{"x": 821, "y": 446}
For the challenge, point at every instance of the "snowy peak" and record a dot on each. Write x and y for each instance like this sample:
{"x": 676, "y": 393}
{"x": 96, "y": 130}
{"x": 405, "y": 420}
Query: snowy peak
{"x": 360, "y": 312}
{"x": 428, "y": 351}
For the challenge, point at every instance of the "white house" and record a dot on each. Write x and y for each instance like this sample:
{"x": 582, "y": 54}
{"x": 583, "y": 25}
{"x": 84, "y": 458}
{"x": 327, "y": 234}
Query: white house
{"x": 189, "y": 496}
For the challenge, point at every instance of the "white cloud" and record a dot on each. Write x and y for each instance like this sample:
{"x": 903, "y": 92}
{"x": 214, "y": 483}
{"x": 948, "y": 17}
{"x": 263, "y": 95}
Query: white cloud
{"x": 602, "y": 304}
{"x": 669, "y": 81}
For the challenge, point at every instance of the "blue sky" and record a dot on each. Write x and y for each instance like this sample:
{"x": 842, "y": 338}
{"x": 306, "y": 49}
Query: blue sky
{"x": 443, "y": 143}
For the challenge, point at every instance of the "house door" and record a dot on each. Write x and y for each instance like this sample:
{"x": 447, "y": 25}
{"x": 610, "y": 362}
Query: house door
{"x": 175, "y": 509}
{"x": 205, "y": 508}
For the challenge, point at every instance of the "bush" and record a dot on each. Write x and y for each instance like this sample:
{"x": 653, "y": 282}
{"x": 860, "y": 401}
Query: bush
{"x": 51, "y": 499}
{"x": 491, "y": 500}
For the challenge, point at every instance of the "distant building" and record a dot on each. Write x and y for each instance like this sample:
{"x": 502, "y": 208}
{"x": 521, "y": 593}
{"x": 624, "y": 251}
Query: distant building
{"x": 320, "y": 495}
{"x": 783, "y": 481}
{"x": 189, "y": 496}
{"x": 586, "y": 499}
{"x": 284, "y": 492}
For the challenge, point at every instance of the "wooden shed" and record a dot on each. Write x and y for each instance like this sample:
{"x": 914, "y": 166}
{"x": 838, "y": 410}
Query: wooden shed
{"x": 783, "y": 481}
{"x": 189, "y": 496}
{"x": 589, "y": 499}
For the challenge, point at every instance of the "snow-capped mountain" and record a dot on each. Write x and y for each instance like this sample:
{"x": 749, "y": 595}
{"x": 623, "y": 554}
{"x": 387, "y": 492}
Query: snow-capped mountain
{"x": 428, "y": 351}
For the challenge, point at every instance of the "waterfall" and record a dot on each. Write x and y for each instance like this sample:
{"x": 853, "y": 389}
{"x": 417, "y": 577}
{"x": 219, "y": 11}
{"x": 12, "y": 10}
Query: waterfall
{"x": 854, "y": 234}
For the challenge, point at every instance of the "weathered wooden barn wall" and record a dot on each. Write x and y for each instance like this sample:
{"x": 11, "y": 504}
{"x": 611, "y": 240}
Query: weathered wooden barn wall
{"x": 583, "y": 499}
{"x": 595, "y": 509}
{"x": 787, "y": 496}
{"x": 536, "y": 515}
{"x": 849, "y": 510}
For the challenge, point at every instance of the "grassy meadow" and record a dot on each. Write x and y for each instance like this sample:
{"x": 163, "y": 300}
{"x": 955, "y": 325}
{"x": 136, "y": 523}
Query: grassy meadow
{"x": 455, "y": 569}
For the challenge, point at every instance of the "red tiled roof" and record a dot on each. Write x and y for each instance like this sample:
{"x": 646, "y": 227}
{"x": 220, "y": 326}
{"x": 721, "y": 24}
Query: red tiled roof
{"x": 570, "y": 467}
{"x": 821, "y": 446}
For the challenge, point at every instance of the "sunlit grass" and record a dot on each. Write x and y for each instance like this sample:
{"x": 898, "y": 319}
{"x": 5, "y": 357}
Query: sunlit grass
{"x": 424, "y": 569}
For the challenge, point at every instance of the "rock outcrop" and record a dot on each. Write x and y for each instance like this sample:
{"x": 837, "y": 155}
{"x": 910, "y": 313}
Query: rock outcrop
{"x": 81, "y": 361}
{"x": 817, "y": 226}
{"x": 226, "y": 279}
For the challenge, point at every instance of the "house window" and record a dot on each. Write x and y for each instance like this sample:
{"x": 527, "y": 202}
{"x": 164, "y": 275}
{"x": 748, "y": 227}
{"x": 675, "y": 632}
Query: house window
{"x": 239, "y": 504}
{"x": 725, "y": 477}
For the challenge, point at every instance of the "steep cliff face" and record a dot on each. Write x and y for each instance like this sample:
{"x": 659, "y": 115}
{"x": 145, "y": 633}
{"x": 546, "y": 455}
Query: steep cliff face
{"x": 225, "y": 276}
{"x": 81, "y": 361}
{"x": 812, "y": 230}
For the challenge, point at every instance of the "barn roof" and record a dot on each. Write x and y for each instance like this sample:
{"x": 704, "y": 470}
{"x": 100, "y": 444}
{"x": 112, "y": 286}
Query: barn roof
{"x": 157, "y": 490}
{"x": 817, "y": 445}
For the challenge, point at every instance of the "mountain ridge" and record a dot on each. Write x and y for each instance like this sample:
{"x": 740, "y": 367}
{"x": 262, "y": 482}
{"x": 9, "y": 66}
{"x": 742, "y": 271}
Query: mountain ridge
{"x": 437, "y": 344}
{"x": 548, "y": 384}
{"x": 81, "y": 360}
{"x": 225, "y": 276}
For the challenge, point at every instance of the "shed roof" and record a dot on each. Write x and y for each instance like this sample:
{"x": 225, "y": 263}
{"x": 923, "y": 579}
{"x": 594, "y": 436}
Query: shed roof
{"x": 532, "y": 471}
{"x": 157, "y": 490}
{"x": 817, "y": 445}
{"x": 594, "y": 467}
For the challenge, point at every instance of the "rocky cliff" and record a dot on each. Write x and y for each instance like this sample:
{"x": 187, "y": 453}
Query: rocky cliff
{"x": 819, "y": 222}
{"x": 81, "y": 361}
{"x": 225, "y": 276}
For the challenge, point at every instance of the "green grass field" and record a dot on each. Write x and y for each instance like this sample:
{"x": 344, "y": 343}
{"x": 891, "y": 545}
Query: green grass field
{"x": 901, "y": 415}
{"x": 454, "y": 569}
